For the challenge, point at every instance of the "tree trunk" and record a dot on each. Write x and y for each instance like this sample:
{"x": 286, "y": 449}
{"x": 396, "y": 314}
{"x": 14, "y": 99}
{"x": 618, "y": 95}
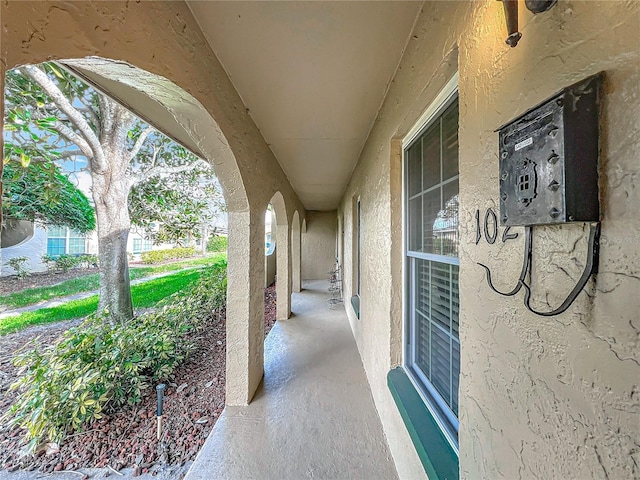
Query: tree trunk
{"x": 110, "y": 193}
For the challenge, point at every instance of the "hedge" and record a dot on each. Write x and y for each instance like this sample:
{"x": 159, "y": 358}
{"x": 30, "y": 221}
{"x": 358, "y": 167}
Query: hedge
{"x": 157, "y": 256}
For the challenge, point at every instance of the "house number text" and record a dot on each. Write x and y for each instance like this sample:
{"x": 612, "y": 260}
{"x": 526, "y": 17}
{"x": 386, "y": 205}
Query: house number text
{"x": 490, "y": 228}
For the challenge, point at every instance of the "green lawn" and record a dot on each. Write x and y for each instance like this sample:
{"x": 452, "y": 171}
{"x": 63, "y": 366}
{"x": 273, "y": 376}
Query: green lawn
{"x": 92, "y": 282}
{"x": 144, "y": 295}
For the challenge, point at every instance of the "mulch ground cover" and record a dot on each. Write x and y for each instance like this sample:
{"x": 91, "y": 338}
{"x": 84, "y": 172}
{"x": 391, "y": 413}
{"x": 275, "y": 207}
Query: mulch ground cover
{"x": 194, "y": 400}
{"x": 13, "y": 284}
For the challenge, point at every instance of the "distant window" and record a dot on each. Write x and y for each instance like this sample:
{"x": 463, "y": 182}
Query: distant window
{"x": 56, "y": 246}
{"x": 54, "y": 231}
{"x": 147, "y": 245}
{"x": 62, "y": 241}
{"x": 56, "y": 241}
{"x": 137, "y": 246}
{"x": 77, "y": 243}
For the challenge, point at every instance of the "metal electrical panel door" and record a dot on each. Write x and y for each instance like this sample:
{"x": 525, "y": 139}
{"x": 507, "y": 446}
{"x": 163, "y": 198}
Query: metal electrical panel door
{"x": 549, "y": 160}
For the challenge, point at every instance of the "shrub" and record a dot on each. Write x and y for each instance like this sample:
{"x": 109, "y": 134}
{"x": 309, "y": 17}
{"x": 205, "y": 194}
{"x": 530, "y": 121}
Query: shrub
{"x": 100, "y": 365}
{"x": 18, "y": 265}
{"x": 48, "y": 260}
{"x": 88, "y": 260}
{"x": 64, "y": 263}
{"x": 157, "y": 256}
{"x": 217, "y": 244}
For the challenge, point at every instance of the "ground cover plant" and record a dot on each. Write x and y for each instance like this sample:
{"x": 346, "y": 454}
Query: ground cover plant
{"x": 91, "y": 281}
{"x": 104, "y": 364}
{"x": 126, "y": 437}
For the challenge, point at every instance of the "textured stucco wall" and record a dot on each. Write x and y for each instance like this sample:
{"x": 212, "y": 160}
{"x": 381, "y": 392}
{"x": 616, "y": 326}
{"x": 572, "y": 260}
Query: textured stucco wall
{"x": 319, "y": 245}
{"x": 540, "y": 397}
{"x": 32, "y": 248}
{"x": 270, "y": 264}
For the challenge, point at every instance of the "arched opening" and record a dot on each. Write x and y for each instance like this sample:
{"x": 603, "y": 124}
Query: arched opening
{"x": 185, "y": 119}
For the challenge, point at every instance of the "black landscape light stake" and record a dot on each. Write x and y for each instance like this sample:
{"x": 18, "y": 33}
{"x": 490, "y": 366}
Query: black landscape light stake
{"x": 160, "y": 391}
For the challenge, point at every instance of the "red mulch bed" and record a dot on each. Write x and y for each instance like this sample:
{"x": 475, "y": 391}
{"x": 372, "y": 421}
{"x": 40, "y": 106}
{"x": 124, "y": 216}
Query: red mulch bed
{"x": 194, "y": 401}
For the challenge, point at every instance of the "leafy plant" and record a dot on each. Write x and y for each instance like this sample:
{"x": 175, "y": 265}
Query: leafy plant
{"x": 217, "y": 244}
{"x": 157, "y": 256}
{"x": 102, "y": 365}
{"x": 41, "y": 193}
{"x": 48, "y": 260}
{"x": 89, "y": 260}
{"x": 18, "y": 265}
{"x": 64, "y": 263}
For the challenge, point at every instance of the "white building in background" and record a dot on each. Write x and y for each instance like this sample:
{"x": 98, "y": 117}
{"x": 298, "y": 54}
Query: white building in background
{"x": 55, "y": 241}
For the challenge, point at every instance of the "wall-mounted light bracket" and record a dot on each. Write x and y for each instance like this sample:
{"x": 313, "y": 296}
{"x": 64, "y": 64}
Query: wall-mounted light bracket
{"x": 539, "y": 6}
{"x": 511, "y": 16}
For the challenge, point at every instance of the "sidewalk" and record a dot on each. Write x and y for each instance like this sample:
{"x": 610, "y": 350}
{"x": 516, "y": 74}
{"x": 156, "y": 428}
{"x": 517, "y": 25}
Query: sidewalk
{"x": 313, "y": 416}
{"x": 79, "y": 296}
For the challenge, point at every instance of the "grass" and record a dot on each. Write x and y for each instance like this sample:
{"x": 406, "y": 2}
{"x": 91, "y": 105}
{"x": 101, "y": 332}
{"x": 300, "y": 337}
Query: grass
{"x": 144, "y": 295}
{"x": 90, "y": 282}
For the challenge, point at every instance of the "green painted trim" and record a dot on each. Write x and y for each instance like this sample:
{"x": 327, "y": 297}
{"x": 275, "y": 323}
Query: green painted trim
{"x": 355, "y": 303}
{"x": 439, "y": 460}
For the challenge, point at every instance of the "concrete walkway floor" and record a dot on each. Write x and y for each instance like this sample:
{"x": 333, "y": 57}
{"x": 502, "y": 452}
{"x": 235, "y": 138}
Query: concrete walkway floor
{"x": 312, "y": 417}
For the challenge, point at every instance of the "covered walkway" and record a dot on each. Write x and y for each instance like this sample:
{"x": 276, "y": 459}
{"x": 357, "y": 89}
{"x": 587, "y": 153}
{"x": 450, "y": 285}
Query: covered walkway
{"x": 312, "y": 417}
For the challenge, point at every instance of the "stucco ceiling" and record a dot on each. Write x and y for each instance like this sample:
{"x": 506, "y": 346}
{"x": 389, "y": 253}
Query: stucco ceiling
{"x": 313, "y": 76}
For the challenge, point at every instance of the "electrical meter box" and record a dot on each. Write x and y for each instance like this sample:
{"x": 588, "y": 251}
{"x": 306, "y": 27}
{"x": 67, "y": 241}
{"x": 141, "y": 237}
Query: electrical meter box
{"x": 549, "y": 160}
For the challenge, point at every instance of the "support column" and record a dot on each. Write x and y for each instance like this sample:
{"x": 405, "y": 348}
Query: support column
{"x": 283, "y": 272}
{"x": 245, "y": 306}
{"x": 295, "y": 254}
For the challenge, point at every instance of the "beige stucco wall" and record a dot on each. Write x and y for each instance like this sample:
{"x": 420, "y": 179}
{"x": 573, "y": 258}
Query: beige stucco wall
{"x": 319, "y": 245}
{"x": 540, "y": 397}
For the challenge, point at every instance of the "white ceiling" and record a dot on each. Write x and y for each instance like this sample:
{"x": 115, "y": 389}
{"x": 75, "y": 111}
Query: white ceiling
{"x": 313, "y": 76}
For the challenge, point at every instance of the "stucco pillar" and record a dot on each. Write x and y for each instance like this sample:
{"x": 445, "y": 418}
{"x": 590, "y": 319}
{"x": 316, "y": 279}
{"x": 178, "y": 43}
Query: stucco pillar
{"x": 283, "y": 272}
{"x": 245, "y": 306}
{"x": 296, "y": 284}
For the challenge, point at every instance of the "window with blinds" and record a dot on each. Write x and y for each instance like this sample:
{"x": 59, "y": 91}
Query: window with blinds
{"x": 431, "y": 205}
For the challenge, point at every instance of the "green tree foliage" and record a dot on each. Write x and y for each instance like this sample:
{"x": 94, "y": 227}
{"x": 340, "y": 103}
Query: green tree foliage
{"x": 182, "y": 206}
{"x": 51, "y": 116}
{"x": 41, "y": 193}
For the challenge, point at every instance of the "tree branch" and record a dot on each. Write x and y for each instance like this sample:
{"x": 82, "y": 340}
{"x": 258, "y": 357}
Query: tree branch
{"x": 70, "y": 154}
{"x": 164, "y": 170}
{"x": 89, "y": 136}
{"x": 74, "y": 138}
{"x": 140, "y": 141}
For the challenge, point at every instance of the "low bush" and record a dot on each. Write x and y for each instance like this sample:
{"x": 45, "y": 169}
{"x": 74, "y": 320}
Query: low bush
{"x": 48, "y": 260}
{"x": 157, "y": 256}
{"x": 217, "y": 244}
{"x": 89, "y": 260}
{"x": 64, "y": 263}
{"x": 18, "y": 265}
{"x": 100, "y": 366}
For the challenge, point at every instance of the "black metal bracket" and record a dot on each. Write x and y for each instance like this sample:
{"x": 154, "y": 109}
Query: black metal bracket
{"x": 523, "y": 272}
{"x": 591, "y": 267}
